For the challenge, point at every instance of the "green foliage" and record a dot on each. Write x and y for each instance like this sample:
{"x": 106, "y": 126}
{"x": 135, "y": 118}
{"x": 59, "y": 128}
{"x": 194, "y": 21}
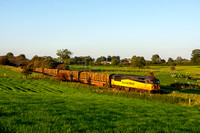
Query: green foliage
{"x": 44, "y": 62}
{"x": 170, "y": 61}
{"x": 82, "y": 60}
{"x": 48, "y": 62}
{"x": 114, "y": 62}
{"x": 185, "y": 86}
{"x": 9, "y": 54}
{"x": 138, "y": 61}
{"x": 100, "y": 59}
{"x": 195, "y": 56}
{"x": 27, "y": 70}
{"x": 156, "y": 59}
{"x": 64, "y": 55}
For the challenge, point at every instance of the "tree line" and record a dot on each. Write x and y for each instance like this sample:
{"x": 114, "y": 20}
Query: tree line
{"x": 64, "y": 59}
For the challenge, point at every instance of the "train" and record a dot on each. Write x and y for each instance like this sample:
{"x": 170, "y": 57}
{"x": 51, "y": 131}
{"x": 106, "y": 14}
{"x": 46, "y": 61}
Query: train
{"x": 121, "y": 82}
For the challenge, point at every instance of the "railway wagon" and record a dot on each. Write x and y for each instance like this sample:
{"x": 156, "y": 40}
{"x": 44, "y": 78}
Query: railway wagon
{"x": 39, "y": 70}
{"x": 67, "y": 75}
{"x": 97, "y": 79}
{"x": 135, "y": 83}
{"x": 52, "y": 72}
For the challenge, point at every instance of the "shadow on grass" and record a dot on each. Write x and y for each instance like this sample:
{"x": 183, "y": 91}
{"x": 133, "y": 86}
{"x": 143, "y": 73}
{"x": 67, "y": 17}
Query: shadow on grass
{"x": 168, "y": 90}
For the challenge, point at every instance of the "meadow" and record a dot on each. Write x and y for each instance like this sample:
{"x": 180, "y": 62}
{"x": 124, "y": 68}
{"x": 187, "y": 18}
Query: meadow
{"x": 42, "y": 104}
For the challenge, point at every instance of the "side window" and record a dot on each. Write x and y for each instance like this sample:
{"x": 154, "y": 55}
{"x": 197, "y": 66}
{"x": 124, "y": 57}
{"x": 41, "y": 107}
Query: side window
{"x": 117, "y": 78}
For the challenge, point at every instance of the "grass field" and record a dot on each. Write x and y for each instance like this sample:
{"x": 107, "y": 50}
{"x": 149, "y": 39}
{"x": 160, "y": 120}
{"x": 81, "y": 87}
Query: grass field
{"x": 41, "y": 104}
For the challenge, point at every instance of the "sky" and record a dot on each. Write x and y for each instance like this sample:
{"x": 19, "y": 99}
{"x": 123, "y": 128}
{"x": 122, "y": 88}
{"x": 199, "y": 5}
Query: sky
{"x": 95, "y": 28}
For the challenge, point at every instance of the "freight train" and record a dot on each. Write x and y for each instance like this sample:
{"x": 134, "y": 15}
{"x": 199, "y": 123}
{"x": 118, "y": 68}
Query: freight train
{"x": 120, "y": 82}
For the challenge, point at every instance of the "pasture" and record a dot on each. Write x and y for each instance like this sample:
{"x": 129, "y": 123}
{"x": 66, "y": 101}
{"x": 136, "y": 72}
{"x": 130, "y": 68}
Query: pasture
{"x": 42, "y": 104}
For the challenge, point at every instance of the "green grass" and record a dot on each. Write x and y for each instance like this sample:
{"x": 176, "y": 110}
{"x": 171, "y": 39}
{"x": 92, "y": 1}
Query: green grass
{"x": 64, "y": 108}
{"x": 35, "y": 105}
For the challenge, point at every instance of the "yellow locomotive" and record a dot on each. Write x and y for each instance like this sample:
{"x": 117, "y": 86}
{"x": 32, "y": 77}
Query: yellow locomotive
{"x": 135, "y": 83}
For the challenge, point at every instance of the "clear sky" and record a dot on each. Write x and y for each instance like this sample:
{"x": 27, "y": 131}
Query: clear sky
{"x": 96, "y": 28}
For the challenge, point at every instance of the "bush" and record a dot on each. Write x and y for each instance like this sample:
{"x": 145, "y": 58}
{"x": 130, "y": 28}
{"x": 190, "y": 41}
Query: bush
{"x": 63, "y": 67}
{"x": 172, "y": 68}
{"x": 185, "y": 86}
{"x": 27, "y": 70}
{"x": 4, "y": 61}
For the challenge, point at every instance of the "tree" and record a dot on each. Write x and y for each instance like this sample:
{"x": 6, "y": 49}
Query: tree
{"x": 100, "y": 59}
{"x": 9, "y": 54}
{"x": 109, "y": 58}
{"x": 170, "y": 61}
{"x": 179, "y": 59}
{"x": 114, "y": 62}
{"x": 125, "y": 62}
{"x": 87, "y": 60}
{"x": 195, "y": 56}
{"x": 64, "y": 55}
{"x": 27, "y": 70}
{"x": 156, "y": 59}
{"x": 115, "y": 57}
{"x": 22, "y": 56}
{"x": 48, "y": 62}
{"x": 4, "y": 61}
{"x": 138, "y": 61}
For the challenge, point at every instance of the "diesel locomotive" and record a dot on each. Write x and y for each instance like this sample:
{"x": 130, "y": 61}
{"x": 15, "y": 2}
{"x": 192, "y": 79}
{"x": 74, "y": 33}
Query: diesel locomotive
{"x": 120, "y": 82}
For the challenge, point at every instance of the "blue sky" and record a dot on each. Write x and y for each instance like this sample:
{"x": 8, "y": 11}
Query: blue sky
{"x": 96, "y": 28}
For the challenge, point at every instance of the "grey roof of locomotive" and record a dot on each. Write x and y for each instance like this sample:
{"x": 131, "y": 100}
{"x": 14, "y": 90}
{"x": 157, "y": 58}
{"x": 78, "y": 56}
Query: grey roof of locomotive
{"x": 134, "y": 77}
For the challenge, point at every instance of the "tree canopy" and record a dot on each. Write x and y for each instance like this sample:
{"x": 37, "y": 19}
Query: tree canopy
{"x": 64, "y": 55}
{"x": 137, "y": 61}
{"x": 195, "y": 56}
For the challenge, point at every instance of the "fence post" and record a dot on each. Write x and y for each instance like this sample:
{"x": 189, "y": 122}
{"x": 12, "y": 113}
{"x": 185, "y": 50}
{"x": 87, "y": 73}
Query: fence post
{"x": 189, "y": 101}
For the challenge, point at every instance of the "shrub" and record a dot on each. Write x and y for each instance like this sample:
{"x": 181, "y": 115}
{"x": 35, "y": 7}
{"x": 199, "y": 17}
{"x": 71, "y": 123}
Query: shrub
{"x": 63, "y": 67}
{"x": 4, "y": 61}
{"x": 172, "y": 68}
{"x": 27, "y": 70}
{"x": 185, "y": 86}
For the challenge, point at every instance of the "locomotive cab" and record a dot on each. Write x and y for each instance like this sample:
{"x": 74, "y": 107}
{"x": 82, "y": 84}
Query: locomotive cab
{"x": 143, "y": 83}
{"x": 154, "y": 82}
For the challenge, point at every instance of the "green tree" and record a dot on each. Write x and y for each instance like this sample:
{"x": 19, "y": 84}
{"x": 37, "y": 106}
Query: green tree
{"x": 195, "y": 56}
{"x": 9, "y": 54}
{"x": 48, "y": 62}
{"x": 114, "y": 62}
{"x": 27, "y": 70}
{"x": 138, "y": 61}
{"x": 109, "y": 58}
{"x": 115, "y": 57}
{"x": 100, "y": 59}
{"x": 64, "y": 55}
{"x": 156, "y": 59}
{"x": 87, "y": 60}
{"x": 170, "y": 61}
